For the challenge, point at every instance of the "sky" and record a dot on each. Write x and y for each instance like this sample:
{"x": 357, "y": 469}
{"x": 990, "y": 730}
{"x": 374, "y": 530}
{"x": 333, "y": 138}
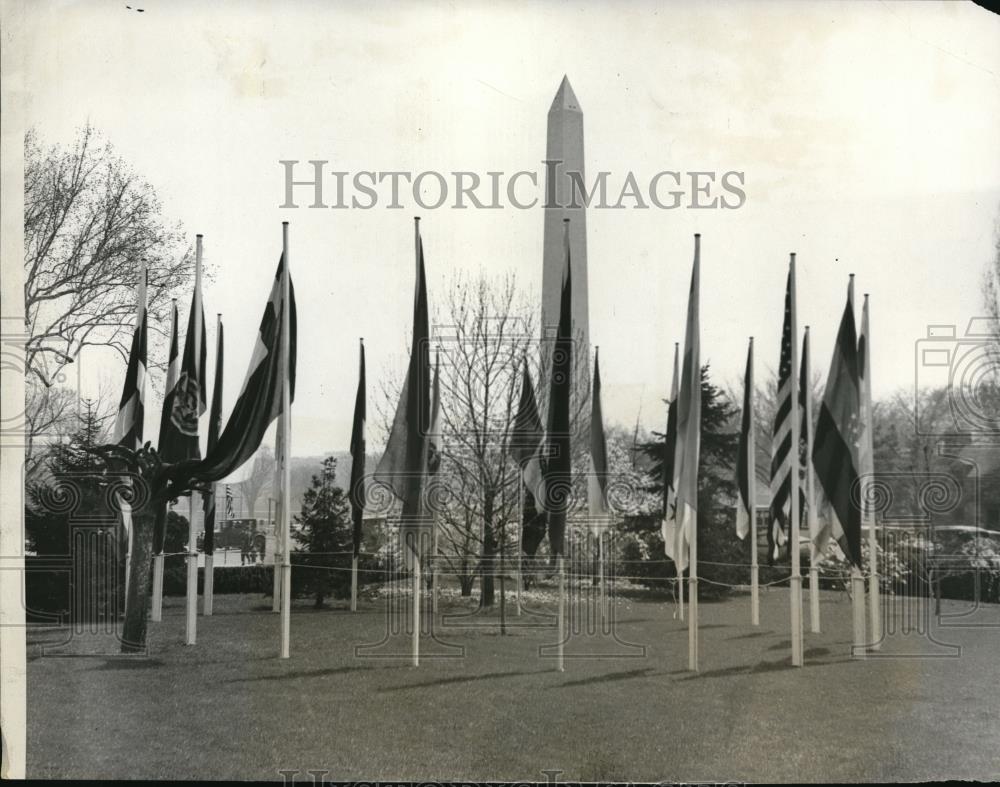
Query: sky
{"x": 866, "y": 132}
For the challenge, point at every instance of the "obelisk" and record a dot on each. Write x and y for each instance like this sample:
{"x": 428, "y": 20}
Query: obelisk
{"x": 563, "y": 166}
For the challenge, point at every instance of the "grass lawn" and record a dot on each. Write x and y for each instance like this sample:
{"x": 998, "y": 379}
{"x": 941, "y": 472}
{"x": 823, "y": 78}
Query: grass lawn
{"x": 229, "y": 708}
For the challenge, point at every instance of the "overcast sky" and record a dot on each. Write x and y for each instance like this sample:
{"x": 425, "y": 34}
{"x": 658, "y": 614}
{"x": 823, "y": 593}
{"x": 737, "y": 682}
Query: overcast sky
{"x": 868, "y": 135}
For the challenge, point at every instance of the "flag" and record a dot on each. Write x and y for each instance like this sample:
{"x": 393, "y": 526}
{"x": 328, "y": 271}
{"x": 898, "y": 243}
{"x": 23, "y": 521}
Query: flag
{"x": 866, "y": 465}
{"x": 597, "y": 481}
{"x": 745, "y": 459}
{"x": 558, "y": 466}
{"x": 403, "y": 465}
{"x": 781, "y": 442}
{"x": 229, "y": 503}
{"x": 185, "y": 401}
{"x": 214, "y": 427}
{"x": 259, "y": 400}
{"x": 804, "y": 392}
{"x": 687, "y": 450}
{"x": 836, "y": 444}
{"x": 357, "y": 490}
{"x": 434, "y": 436}
{"x": 667, "y": 525}
{"x": 526, "y": 446}
{"x": 132, "y": 407}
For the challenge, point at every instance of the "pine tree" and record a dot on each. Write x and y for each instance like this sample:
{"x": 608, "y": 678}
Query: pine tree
{"x": 325, "y": 535}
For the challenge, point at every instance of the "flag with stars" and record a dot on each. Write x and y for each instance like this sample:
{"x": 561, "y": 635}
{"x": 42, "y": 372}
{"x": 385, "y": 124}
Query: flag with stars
{"x": 781, "y": 440}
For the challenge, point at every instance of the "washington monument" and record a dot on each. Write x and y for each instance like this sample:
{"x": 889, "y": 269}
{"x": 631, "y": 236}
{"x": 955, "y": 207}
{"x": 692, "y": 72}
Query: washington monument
{"x": 563, "y": 165}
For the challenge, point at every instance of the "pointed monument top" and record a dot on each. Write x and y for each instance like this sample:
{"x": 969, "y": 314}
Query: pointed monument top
{"x": 565, "y": 98}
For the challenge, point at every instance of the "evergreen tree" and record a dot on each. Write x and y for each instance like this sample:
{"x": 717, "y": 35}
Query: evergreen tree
{"x": 325, "y": 535}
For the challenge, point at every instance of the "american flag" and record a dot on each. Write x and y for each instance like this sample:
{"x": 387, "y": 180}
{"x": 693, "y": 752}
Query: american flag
{"x": 781, "y": 443}
{"x": 229, "y": 502}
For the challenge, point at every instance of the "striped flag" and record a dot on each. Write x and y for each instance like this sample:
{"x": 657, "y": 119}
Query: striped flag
{"x": 745, "y": 459}
{"x": 688, "y": 448}
{"x": 214, "y": 427}
{"x": 558, "y": 467}
{"x": 259, "y": 400}
{"x": 186, "y": 399}
{"x": 357, "y": 488}
{"x": 669, "y": 448}
{"x": 526, "y": 446}
{"x": 781, "y": 444}
{"x": 132, "y": 407}
{"x": 403, "y": 465}
{"x": 836, "y": 444}
{"x": 597, "y": 480}
{"x": 866, "y": 465}
{"x": 229, "y": 503}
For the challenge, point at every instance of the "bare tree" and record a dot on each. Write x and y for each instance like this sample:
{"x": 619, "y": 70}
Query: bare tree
{"x": 258, "y": 478}
{"x": 89, "y": 222}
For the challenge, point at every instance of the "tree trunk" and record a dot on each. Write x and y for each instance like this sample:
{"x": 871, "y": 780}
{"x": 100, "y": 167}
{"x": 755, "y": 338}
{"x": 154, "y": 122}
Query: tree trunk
{"x": 466, "y": 581}
{"x": 487, "y": 597}
{"x": 134, "y": 628}
{"x": 319, "y": 599}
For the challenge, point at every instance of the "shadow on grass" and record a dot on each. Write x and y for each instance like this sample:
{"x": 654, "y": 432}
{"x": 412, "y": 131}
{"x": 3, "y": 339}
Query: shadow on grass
{"x": 753, "y": 635}
{"x": 463, "y": 679}
{"x": 611, "y": 676}
{"x": 779, "y": 665}
{"x": 316, "y": 673}
{"x": 129, "y": 662}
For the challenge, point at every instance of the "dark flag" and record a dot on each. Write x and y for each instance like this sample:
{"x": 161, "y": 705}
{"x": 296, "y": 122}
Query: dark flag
{"x": 835, "y": 448}
{"x": 781, "y": 443}
{"x": 187, "y": 403}
{"x": 214, "y": 427}
{"x": 745, "y": 455}
{"x": 403, "y": 465}
{"x": 526, "y": 445}
{"x": 804, "y": 392}
{"x": 669, "y": 448}
{"x": 558, "y": 478}
{"x": 357, "y": 489}
{"x": 597, "y": 481}
{"x": 132, "y": 408}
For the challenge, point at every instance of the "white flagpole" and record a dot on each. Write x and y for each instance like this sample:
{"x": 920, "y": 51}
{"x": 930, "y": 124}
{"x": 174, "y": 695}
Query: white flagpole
{"x": 561, "y": 632}
{"x": 416, "y": 534}
{"x": 209, "y": 589}
{"x": 857, "y": 578}
{"x": 278, "y": 533}
{"x": 191, "y": 614}
{"x": 812, "y": 525}
{"x": 434, "y": 569}
{"x": 795, "y": 583}
{"x": 875, "y": 615}
{"x": 520, "y": 553}
{"x": 752, "y": 501}
{"x": 354, "y": 583}
{"x": 156, "y": 613}
{"x": 286, "y": 470}
{"x": 693, "y": 654}
{"x": 600, "y": 569}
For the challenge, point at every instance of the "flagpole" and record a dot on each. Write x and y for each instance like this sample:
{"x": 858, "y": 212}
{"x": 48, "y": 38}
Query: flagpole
{"x": 795, "y": 582}
{"x": 357, "y": 546}
{"x": 695, "y": 370}
{"x": 520, "y": 553}
{"x": 278, "y": 534}
{"x": 209, "y": 589}
{"x": 752, "y": 501}
{"x": 191, "y": 613}
{"x": 158, "y": 560}
{"x": 561, "y": 622}
{"x": 286, "y": 470}
{"x": 869, "y": 514}
{"x": 416, "y": 535}
{"x": 812, "y": 524}
{"x": 857, "y": 578}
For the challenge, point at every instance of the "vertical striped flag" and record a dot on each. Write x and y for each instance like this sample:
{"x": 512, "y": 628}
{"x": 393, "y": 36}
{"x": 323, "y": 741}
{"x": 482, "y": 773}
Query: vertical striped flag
{"x": 173, "y": 370}
{"x": 214, "y": 427}
{"x": 132, "y": 407}
{"x": 781, "y": 444}
{"x": 357, "y": 489}
{"x": 836, "y": 444}
{"x": 745, "y": 459}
